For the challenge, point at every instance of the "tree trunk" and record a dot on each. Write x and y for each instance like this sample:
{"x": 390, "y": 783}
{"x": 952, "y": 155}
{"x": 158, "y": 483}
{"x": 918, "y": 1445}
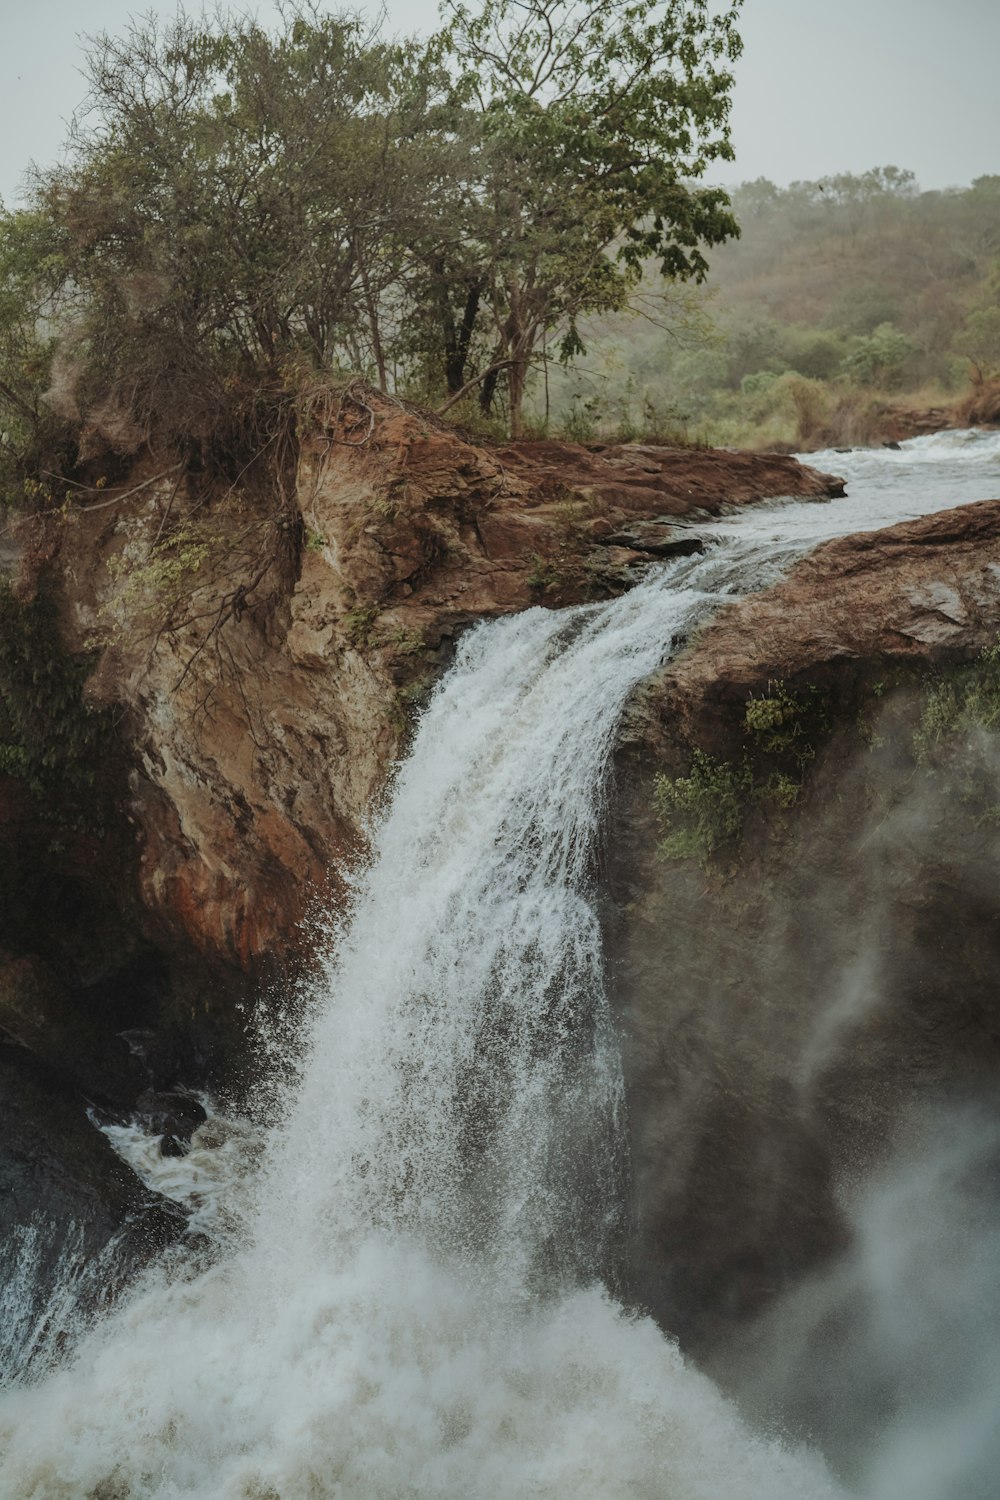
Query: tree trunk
{"x": 371, "y": 307}
{"x": 519, "y": 334}
{"x": 488, "y": 391}
{"x": 517, "y": 379}
{"x": 456, "y": 336}
{"x": 460, "y": 338}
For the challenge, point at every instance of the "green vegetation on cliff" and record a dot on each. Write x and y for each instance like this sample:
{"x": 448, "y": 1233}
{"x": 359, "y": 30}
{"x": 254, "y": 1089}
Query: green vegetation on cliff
{"x": 49, "y": 736}
{"x": 240, "y": 211}
{"x": 703, "y": 813}
{"x": 936, "y": 723}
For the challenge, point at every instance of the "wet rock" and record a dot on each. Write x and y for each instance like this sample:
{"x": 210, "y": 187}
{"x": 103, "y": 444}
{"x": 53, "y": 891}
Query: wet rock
{"x": 170, "y": 1112}
{"x": 784, "y": 1008}
{"x": 174, "y": 1145}
{"x": 657, "y": 538}
{"x": 922, "y": 591}
{"x": 66, "y": 1203}
{"x": 40, "y": 1014}
{"x": 173, "y": 1115}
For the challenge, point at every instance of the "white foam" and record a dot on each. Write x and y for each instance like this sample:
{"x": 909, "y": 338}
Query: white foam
{"x": 212, "y": 1180}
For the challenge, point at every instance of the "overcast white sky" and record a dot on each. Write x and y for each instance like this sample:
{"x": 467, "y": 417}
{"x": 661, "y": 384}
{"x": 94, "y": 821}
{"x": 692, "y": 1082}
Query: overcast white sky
{"x": 824, "y": 85}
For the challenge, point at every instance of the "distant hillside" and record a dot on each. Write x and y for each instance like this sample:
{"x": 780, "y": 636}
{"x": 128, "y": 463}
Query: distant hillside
{"x": 842, "y": 298}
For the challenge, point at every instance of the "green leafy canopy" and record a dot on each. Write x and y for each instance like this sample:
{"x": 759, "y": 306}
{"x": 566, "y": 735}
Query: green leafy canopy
{"x": 237, "y": 205}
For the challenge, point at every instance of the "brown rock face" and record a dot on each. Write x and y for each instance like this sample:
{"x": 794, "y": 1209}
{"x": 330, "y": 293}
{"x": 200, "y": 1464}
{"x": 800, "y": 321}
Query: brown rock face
{"x": 640, "y": 479}
{"x": 914, "y": 593}
{"x": 268, "y": 678}
{"x": 787, "y": 1003}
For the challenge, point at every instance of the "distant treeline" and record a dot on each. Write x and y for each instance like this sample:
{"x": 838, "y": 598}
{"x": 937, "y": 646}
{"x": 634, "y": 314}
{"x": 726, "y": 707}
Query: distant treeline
{"x": 841, "y": 296}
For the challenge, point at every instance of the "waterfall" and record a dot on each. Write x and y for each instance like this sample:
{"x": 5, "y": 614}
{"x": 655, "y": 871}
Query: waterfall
{"x": 413, "y": 1305}
{"x": 477, "y": 1085}
{"x": 408, "y": 1299}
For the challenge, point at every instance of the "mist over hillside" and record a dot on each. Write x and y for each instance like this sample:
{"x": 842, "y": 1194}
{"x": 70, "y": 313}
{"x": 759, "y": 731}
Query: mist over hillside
{"x": 843, "y": 299}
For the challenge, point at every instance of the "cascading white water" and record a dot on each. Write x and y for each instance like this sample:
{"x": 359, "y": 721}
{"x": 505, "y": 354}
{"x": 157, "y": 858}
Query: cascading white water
{"x": 416, "y": 1311}
{"x": 411, "y": 1307}
{"x": 32, "y": 1336}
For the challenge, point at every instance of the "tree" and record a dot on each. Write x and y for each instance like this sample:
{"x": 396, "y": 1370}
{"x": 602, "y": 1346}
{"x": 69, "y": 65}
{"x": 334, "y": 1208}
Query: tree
{"x": 878, "y": 359}
{"x": 979, "y": 341}
{"x": 239, "y": 207}
{"x": 235, "y": 203}
{"x": 30, "y": 434}
{"x": 594, "y": 121}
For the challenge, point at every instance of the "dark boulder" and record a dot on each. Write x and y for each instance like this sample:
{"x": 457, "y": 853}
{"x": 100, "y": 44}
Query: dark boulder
{"x": 75, "y": 1222}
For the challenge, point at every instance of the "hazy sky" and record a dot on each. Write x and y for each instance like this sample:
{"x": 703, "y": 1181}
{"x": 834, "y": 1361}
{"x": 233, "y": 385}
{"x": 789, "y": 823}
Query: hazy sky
{"x": 823, "y": 86}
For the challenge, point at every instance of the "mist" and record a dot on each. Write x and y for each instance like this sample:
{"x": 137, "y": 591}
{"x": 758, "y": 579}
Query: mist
{"x": 885, "y": 1354}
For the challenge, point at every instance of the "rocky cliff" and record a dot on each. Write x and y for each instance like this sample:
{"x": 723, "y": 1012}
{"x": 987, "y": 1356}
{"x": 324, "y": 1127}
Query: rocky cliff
{"x": 253, "y": 662}
{"x": 802, "y": 912}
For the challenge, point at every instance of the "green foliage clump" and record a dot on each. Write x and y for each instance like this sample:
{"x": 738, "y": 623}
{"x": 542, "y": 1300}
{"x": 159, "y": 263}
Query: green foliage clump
{"x": 406, "y": 642}
{"x": 705, "y": 810}
{"x": 979, "y": 340}
{"x": 412, "y": 698}
{"x": 785, "y": 723}
{"x": 879, "y": 358}
{"x": 781, "y": 789}
{"x": 359, "y": 621}
{"x": 14, "y": 761}
{"x": 49, "y": 736}
{"x": 544, "y": 576}
{"x": 166, "y": 570}
{"x": 415, "y": 694}
{"x": 31, "y": 434}
{"x": 947, "y": 715}
{"x": 961, "y": 701}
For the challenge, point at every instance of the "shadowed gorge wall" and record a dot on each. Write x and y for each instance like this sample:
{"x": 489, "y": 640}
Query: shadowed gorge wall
{"x": 784, "y": 1012}
{"x": 820, "y": 971}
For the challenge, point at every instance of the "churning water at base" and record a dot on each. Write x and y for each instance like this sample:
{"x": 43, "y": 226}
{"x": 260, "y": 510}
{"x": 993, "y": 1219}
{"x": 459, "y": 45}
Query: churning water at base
{"x": 410, "y": 1305}
{"x": 412, "y": 1308}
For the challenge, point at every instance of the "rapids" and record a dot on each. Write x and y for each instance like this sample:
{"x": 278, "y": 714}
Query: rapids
{"x": 405, "y": 1297}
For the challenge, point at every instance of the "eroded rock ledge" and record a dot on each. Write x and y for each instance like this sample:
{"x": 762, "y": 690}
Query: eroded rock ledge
{"x": 259, "y": 721}
{"x": 793, "y": 997}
